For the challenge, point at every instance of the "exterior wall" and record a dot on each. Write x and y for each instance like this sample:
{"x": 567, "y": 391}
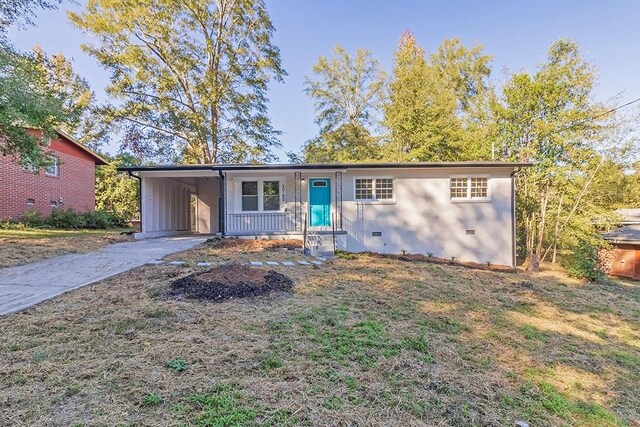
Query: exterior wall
{"x": 422, "y": 218}
{"x": 622, "y": 260}
{"x": 74, "y": 187}
{"x": 208, "y": 191}
{"x": 166, "y": 206}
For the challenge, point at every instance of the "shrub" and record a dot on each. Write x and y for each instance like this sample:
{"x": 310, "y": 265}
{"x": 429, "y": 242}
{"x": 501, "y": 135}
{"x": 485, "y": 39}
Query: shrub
{"x": 66, "y": 219}
{"x": 584, "y": 262}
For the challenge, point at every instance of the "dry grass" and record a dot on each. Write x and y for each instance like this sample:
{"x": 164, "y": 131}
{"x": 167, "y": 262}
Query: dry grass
{"x": 366, "y": 341}
{"x": 17, "y": 248}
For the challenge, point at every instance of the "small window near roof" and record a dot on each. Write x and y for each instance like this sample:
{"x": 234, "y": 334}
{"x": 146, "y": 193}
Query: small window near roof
{"x": 373, "y": 189}
{"x": 469, "y": 188}
{"x": 52, "y": 169}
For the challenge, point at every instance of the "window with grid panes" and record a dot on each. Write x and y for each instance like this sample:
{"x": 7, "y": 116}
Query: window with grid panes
{"x": 458, "y": 188}
{"x": 384, "y": 188}
{"x": 479, "y": 187}
{"x": 364, "y": 189}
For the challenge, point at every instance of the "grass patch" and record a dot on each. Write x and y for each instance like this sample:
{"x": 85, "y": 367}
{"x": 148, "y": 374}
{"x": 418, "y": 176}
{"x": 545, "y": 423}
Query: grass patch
{"x": 177, "y": 365}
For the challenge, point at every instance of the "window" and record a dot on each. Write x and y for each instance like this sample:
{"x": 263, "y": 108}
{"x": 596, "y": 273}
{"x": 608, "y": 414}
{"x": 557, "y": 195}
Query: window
{"x": 271, "y": 196}
{"x": 371, "y": 189}
{"x": 249, "y": 195}
{"x": 52, "y": 169}
{"x": 28, "y": 165}
{"x": 470, "y": 188}
{"x": 262, "y": 195}
{"x": 364, "y": 189}
{"x": 31, "y": 201}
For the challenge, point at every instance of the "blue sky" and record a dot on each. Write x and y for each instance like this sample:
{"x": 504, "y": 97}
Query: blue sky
{"x": 515, "y": 33}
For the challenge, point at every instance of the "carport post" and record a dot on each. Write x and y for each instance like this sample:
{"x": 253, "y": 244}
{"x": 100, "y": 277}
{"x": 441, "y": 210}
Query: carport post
{"x": 139, "y": 178}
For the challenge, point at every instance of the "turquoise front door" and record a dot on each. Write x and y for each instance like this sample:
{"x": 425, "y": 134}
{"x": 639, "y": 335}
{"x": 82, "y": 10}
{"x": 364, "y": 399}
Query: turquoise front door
{"x": 319, "y": 202}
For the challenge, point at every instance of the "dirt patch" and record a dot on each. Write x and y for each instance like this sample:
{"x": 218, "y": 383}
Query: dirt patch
{"x": 18, "y": 251}
{"x": 227, "y": 282}
{"x": 444, "y": 261}
{"x": 251, "y": 245}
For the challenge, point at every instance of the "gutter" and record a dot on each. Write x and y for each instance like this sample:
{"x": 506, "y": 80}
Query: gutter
{"x": 139, "y": 178}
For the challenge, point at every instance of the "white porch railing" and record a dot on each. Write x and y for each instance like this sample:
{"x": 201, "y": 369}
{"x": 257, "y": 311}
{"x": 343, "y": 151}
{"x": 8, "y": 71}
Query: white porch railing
{"x": 263, "y": 222}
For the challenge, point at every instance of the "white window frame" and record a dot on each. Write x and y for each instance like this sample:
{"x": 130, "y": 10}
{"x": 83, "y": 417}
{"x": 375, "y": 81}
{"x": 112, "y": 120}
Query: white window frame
{"x": 56, "y": 168}
{"x": 468, "y": 198}
{"x": 281, "y": 187}
{"x": 375, "y": 200}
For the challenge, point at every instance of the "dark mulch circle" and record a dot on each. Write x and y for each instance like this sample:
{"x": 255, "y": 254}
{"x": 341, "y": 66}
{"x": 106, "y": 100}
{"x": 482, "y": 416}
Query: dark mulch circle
{"x": 229, "y": 281}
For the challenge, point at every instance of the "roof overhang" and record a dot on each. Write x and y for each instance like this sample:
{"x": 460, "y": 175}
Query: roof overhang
{"x": 318, "y": 166}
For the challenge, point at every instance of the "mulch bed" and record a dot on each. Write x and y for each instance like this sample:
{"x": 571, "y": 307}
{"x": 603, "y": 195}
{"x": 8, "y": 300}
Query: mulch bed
{"x": 436, "y": 260}
{"x": 229, "y": 281}
{"x": 249, "y": 245}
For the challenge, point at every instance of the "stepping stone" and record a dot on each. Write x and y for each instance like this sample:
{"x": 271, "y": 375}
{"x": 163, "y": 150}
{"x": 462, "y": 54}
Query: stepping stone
{"x": 204, "y": 264}
{"x": 272, "y": 263}
{"x": 256, "y": 263}
{"x": 303, "y": 263}
{"x": 317, "y": 262}
{"x": 177, "y": 263}
{"x": 288, "y": 263}
{"x": 321, "y": 258}
{"x": 155, "y": 262}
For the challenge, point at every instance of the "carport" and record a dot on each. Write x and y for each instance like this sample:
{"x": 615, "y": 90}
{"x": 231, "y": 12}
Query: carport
{"x": 179, "y": 200}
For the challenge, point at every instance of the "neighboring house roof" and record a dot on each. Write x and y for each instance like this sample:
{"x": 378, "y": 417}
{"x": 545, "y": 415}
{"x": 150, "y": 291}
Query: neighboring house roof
{"x": 416, "y": 165}
{"x": 96, "y": 158}
{"x": 629, "y": 234}
{"x": 629, "y": 216}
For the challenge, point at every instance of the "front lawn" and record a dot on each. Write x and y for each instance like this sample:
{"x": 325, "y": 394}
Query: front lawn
{"x": 363, "y": 341}
{"x": 24, "y": 245}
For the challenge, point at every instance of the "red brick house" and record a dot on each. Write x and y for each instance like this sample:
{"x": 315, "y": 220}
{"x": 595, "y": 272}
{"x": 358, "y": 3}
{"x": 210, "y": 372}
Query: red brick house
{"x": 68, "y": 183}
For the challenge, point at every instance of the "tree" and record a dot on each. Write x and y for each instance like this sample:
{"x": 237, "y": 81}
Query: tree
{"x": 548, "y": 119}
{"x": 420, "y": 111}
{"x": 116, "y": 192}
{"x": 346, "y": 92}
{"x": 438, "y": 108}
{"x": 73, "y": 93}
{"x": 189, "y": 76}
{"x": 25, "y": 100}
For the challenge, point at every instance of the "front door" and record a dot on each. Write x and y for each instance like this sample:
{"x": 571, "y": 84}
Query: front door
{"x": 319, "y": 202}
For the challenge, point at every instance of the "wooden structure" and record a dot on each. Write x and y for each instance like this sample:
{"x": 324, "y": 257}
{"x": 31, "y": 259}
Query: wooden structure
{"x": 625, "y": 256}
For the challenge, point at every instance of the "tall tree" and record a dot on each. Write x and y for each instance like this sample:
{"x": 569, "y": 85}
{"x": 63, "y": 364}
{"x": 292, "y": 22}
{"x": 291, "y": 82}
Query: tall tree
{"x": 115, "y": 192}
{"x": 548, "y": 119}
{"x": 25, "y": 100}
{"x": 188, "y": 75}
{"x": 73, "y": 93}
{"x": 420, "y": 112}
{"x": 346, "y": 91}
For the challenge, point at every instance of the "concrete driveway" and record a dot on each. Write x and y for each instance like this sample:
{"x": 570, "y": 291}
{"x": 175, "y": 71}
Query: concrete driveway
{"x": 26, "y": 285}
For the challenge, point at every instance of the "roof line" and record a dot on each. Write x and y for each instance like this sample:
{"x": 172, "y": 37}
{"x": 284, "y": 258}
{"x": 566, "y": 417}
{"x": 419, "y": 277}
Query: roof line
{"x": 99, "y": 159}
{"x": 307, "y": 166}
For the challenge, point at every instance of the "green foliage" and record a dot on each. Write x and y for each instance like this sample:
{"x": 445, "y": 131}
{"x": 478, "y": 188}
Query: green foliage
{"x": 346, "y": 91}
{"x": 437, "y": 108}
{"x": 151, "y": 399}
{"x": 222, "y": 406}
{"x": 190, "y": 78}
{"x": 116, "y": 192}
{"x": 584, "y": 262}
{"x": 67, "y": 219}
{"x": 26, "y": 102}
{"x": 177, "y": 365}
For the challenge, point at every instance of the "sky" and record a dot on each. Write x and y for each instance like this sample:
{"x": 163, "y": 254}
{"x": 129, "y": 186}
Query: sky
{"x": 515, "y": 33}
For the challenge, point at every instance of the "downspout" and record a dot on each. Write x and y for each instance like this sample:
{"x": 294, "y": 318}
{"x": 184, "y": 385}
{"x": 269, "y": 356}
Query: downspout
{"x": 139, "y": 178}
{"x": 223, "y": 196}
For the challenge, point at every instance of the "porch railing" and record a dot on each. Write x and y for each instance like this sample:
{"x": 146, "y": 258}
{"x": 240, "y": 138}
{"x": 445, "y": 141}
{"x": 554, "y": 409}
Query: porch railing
{"x": 264, "y": 222}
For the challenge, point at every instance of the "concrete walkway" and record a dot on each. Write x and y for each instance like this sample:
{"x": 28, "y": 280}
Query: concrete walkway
{"x": 26, "y": 285}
